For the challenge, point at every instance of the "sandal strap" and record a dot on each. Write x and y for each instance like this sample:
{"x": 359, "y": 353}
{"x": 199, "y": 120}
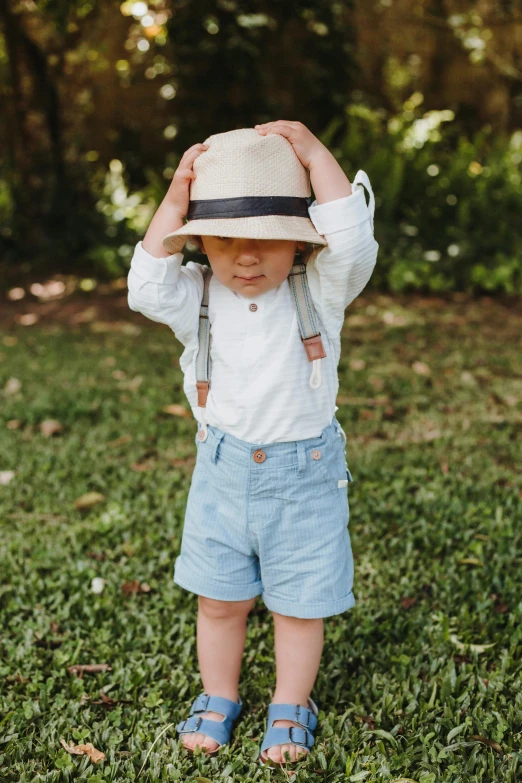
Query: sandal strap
{"x": 294, "y": 712}
{"x": 293, "y": 735}
{"x": 218, "y": 730}
{"x": 206, "y": 703}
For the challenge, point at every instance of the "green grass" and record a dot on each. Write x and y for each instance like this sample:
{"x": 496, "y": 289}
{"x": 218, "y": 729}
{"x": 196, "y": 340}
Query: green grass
{"x": 436, "y": 467}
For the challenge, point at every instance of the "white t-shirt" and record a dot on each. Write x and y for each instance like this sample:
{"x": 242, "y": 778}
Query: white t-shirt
{"x": 259, "y": 372}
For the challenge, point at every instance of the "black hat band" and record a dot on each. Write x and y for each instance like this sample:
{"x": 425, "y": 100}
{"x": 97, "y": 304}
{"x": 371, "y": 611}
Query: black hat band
{"x": 249, "y": 206}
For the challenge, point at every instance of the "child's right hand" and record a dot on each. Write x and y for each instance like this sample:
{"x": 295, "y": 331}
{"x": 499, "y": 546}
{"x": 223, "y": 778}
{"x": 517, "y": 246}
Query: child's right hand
{"x": 179, "y": 191}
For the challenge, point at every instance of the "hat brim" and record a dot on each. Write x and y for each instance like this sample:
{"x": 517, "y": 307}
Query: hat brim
{"x": 300, "y": 229}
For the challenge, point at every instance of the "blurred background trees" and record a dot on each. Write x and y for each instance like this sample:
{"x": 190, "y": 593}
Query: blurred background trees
{"x": 99, "y": 100}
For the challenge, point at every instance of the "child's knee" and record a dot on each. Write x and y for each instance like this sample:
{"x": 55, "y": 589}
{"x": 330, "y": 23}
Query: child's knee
{"x": 224, "y": 610}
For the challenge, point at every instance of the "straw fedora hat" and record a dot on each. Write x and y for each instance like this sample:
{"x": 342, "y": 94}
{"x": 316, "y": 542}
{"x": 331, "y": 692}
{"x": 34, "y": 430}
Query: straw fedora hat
{"x": 248, "y": 185}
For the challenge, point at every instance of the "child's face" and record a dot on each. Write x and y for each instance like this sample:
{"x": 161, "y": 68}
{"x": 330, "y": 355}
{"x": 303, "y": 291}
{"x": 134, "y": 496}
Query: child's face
{"x": 233, "y": 259}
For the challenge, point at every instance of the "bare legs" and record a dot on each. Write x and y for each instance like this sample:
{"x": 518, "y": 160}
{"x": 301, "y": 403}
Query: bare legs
{"x": 221, "y": 631}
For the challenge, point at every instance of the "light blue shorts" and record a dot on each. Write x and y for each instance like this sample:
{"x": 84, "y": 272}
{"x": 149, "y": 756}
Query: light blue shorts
{"x": 275, "y": 526}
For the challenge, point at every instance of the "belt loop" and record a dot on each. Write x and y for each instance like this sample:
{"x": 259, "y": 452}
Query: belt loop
{"x": 218, "y": 436}
{"x": 340, "y": 431}
{"x": 301, "y": 455}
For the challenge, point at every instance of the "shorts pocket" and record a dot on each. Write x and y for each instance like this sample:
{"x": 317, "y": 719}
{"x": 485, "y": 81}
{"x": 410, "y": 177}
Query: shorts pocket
{"x": 333, "y": 467}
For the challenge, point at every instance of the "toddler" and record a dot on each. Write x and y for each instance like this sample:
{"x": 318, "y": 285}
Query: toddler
{"x": 267, "y": 511}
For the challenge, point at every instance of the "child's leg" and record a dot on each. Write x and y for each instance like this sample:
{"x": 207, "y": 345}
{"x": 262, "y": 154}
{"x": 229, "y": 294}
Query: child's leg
{"x": 298, "y": 649}
{"x": 221, "y": 632}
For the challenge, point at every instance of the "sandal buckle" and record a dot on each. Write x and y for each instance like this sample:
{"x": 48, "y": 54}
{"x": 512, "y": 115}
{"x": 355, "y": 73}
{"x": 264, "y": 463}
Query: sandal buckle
{"x": 204, "y": 705}
{"x": 299, "y": 710}
{"x": 183, "y": 726}
{"x": 297, "y": 742}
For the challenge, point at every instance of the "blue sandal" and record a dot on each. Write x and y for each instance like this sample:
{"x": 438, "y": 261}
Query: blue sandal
{"x": 291, "y": 735}
{"x": 219, "y": 730}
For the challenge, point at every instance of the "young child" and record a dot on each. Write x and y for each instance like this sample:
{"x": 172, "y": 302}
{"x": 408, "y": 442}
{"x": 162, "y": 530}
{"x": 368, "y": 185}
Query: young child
{"x": 267, "y": 512}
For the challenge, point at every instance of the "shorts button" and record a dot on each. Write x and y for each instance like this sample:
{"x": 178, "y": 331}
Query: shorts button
{"x": 316, "y": 454}
{"x": 253, "y": 307}
{"x": 259, "y": 455}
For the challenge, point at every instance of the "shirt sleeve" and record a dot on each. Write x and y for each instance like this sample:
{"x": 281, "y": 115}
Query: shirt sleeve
{"x": 339, "y": 271}
{"x": 165, "y": 291}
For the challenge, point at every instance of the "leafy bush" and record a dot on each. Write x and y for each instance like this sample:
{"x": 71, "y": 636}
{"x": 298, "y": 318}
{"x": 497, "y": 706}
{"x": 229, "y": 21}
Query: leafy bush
{"x": 448, "y": 206}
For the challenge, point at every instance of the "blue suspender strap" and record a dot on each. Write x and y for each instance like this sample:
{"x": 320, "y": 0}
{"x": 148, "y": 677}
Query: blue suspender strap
{"x": 310, "y": 334}
{"x": 203, "y": 357}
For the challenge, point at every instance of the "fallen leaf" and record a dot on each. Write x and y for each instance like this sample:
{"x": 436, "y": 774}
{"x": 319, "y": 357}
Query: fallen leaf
{"x": 119, "y": 441}
{"x": 89, "y": 500}
{"x": 12, "y": 386}
{"x": 50, "y": 427}
{"x": 467, "y": 378}
{"x": 421, "y": 368}
{"x": 84, "y": 750}
{"x": 478, "y": 648}
{"x": 141, "y": 467}
{"x": 406, "y": 603}
{"x": 486, "y": 741}
{"x": 13, "y": 424}
{"x": 128, "y": 588}
{"x": 6, "y": 476}
{"x": 89, "y": 668}
{"x": 469, "y": 561}
{"x": 27, "y": 319}
{"x": 97, "y": 585}
{"x": 177, "y": 410}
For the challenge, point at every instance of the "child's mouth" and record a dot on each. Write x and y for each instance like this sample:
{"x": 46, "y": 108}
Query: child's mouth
{"x": 251, "y": 279}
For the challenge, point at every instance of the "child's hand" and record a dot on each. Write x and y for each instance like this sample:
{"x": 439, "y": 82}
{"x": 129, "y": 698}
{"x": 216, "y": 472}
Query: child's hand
{"x": 178, "y": 194}
{"x": 306, "y": 146}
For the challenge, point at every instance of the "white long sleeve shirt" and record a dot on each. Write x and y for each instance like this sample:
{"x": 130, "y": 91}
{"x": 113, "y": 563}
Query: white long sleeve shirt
{"x": 259, "y": 372}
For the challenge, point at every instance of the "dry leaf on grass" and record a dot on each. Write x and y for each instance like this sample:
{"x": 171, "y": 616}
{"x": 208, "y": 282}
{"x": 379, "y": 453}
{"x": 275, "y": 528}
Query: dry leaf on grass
{"x": 6, "y": 476}
{"x": 89, "y": 668}
{"x": 84, "y": 750}
{"x": 12, "y": 386}
{"x": 135, "y": 586}
{"x": 141, "y": 467}
{"x": 478, "y": 648}
{"x": 50, "y": 427}
{"x": 119, "y": 441}
{"x": 421, "y": 368}
{"x": 97, "y": 585}
{"x": 89, "y": 500}
{"x": 486, "y": 741}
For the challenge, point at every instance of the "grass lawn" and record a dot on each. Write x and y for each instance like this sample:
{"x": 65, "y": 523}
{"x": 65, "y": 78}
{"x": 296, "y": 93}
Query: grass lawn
{"x": 431, "y": 401}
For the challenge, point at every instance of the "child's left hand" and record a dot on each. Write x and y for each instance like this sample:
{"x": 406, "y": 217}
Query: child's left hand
{"x": 306, "y": 146}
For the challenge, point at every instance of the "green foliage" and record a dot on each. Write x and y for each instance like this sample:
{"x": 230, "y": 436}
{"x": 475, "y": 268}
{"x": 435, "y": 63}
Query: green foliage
{"x": 434, "y": 453}
{"x": 448, "y": 206}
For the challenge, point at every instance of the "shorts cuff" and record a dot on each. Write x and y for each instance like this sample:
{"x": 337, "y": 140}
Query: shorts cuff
{"x": 217, "y": 590}
{"x": 310, "y": 611}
